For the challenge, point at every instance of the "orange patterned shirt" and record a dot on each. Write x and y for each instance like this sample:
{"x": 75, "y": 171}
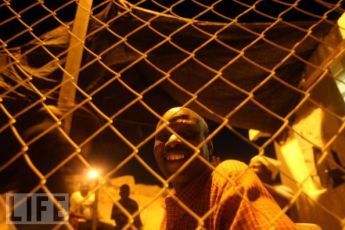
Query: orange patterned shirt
{"x": 230, "y": 197}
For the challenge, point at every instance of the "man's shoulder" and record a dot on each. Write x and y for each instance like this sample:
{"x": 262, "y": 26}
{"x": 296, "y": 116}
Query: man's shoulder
{"x": 232, "y": 169}
{"x": 75, "y": 195}
{"x": 231, "y": 166}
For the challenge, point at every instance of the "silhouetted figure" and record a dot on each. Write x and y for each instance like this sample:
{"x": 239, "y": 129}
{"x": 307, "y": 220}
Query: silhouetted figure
{"x": 121, "y": 219}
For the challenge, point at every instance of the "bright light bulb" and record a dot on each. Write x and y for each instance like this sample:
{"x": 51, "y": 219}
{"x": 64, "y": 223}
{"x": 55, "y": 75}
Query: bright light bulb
{"x": 93, "y": 174}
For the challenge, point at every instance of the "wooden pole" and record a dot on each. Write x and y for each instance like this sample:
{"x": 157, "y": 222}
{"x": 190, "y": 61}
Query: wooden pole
{"x": 68, "y": 90}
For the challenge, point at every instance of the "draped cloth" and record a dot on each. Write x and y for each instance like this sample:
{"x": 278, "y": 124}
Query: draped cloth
{"x": 264, "y": 60}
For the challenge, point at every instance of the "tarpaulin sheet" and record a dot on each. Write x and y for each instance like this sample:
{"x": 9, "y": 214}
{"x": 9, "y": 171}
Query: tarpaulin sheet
{"x": 266, "y": 61}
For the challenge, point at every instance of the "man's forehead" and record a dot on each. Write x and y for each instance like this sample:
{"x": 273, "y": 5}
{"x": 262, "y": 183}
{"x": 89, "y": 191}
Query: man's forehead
{"x": 178, "y": 115}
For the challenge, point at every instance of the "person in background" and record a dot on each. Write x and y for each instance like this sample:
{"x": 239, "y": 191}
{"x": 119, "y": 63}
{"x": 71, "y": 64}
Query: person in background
{"x": 82, "y": 207}
{"x": 130, "y": 205}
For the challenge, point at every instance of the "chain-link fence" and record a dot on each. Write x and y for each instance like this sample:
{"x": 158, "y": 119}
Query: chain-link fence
{"x": 83, "y": 85}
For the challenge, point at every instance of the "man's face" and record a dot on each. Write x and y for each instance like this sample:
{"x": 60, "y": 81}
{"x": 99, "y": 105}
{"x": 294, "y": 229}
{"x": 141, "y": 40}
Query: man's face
{"x": 84, "y": 189}
{"x": 124, "y": 191}
{"x": 171, "y": 152}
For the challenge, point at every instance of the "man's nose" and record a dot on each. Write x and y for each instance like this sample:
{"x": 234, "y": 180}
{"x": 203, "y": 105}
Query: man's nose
{"x": 173, "y": 141}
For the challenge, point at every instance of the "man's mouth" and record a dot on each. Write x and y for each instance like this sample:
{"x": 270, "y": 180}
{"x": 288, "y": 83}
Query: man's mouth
{"x": 174, "y": 156}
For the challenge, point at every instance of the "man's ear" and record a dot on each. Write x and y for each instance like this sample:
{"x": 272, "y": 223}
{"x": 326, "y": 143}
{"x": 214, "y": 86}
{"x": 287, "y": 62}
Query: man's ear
{"x": 210, "y": 149}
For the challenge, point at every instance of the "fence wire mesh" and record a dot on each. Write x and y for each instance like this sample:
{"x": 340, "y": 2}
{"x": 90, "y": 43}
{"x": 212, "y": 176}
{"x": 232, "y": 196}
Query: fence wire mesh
{"x": 267, "y": 75}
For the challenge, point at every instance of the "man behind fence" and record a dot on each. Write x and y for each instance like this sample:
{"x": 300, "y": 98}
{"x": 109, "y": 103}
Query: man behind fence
{"x": 229, "y": 197}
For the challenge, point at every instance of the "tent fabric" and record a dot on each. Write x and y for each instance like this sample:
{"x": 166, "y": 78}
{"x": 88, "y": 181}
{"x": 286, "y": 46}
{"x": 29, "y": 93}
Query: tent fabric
{"x": 265, "y": 60}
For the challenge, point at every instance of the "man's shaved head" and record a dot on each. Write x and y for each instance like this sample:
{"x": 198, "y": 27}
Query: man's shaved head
{"x": 171, "y": 150}
{"x": 180, "y": 111}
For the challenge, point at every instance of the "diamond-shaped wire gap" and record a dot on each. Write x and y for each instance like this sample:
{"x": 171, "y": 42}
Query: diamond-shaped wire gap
{"x": 301, "y": 113}
{"x": 207, "y": 12}
{"x": 269, "y": 150}
{"x": 297, "y": 15}
{"x": 41, "y": 22}
{"x": 34, "y": 121}
{"x": 184, "y": 9}
{"x": 166, "y": 25}
{"x": 291, "y": 72}
{"x": 215, "y": 55}
{"x": 110, "y": 150}
{"x": 315, "y": 8}
{"x": 146, "y": 154}
{"x": 15, "y": 33}
{"x": 146, "y": 173}
{"x": 48, "y": 146}
{"x": 86, "y": 124}
{"x": 232, "y": 144}
{"x": 11, "y": 24}
{"x": 113, "y": 97}
{"x": 5, "y": 14}
{"x": 336, "y": 149}
{"x": 191, "y": 75}
{"x": 277, "y": 97}
{"x": 330, "y": 125}
{"x": 252, "y": 116}
{"x": 165, "y": 96}
{"x": 221, "y": 97}
{"x": 136, "y": 128}
{"x": 229, "y": 9}
{"x": 320, "y": 31}
{"x": 317, "y": 169}
{"x": 139, "y": 39}
{"x": 271, "y": 8}
{"x": 60, "y": 180}
{"x": 11, "y": 146}
{"x": 276, "y": 35}
{"x": 237, "y": 36}
{"x": 340, "y": 82}
{"x": 152, "y": 5}
{"x": 273, "y": 55}
{"x": 254, "y": 16}
{"x": 238, "y": 74}
{"x": 189, "y": 38}
{"x": 5, "y": 118}
{"x": 124, "y": 24}
{"x": 166, "y": 56}
{"x": 65, "y": 10}
{"x": 212, "y": 16}
{"x": 95, "y": 74}
{"x": 102, "y": 40}
{"x": 148, "y": 16}
{"x": 21, "y": 100}
{"x": 312, "y": 42}
{"x": 39, "y": 19}
{"x": 34, "y": 56}
{"x": 10, "y": 79}
{"x": 12, "y": 177}
{"x": 142, "y": 76}
{"x": 326, "y": 95}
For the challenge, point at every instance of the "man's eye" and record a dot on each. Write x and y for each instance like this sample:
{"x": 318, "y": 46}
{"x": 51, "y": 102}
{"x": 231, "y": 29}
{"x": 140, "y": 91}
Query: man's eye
{"x": 163, "y": 137}
{"x": 188, "y": 134}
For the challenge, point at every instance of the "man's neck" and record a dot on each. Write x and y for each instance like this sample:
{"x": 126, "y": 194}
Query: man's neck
{"x": 180, "y": 187}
